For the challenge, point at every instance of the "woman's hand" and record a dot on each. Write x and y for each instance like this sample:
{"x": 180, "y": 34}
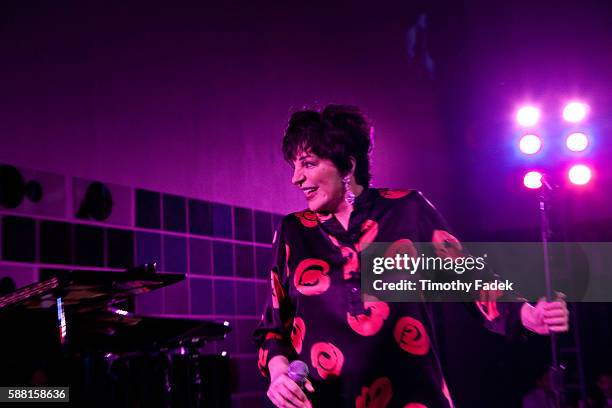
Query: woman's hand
{"x": 283, "y": 391}
{"x": 546, "y": 317}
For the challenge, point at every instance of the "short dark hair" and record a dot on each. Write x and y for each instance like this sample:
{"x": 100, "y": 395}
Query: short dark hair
{"x": 338, "y": 133}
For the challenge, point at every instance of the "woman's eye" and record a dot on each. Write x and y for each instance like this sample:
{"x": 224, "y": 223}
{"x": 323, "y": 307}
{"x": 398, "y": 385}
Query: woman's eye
{"x": 309, "y": 164}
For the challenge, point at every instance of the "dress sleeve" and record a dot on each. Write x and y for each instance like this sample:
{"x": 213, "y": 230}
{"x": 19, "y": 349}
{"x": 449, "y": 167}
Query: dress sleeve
{"x": 503, "y": 317}
{"x": 273, "y": 333}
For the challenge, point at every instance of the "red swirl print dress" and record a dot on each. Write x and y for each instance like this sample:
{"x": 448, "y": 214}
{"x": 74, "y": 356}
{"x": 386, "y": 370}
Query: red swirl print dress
{"x": 360, "y": 354}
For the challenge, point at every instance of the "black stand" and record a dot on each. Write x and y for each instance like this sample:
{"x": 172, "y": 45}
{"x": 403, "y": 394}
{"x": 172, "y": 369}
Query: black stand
{"x": 556, "y": 371}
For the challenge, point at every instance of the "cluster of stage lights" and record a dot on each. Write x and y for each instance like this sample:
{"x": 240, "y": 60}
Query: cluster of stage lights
{"x": 576, "y": 141}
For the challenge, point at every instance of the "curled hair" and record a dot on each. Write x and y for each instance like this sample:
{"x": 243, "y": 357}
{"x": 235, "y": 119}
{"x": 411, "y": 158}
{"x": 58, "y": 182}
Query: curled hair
{"x": 338, "y": 133}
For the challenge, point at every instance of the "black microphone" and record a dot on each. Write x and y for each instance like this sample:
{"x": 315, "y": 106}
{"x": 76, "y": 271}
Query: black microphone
{"x": 298, "y": 372}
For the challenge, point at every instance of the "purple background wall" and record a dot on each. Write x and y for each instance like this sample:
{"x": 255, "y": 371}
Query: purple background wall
{"x": 193, "y": 100}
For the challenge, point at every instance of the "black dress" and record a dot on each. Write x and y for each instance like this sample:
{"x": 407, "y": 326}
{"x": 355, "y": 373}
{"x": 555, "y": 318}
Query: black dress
{"x": 372, "y": 354}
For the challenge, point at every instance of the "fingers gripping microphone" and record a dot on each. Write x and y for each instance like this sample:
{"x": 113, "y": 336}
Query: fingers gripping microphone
{"x": 298, "y": 372}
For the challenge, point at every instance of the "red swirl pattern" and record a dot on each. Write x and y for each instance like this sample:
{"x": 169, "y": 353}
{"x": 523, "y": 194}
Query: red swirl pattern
{"x": 273, "y": 336}
{"x": 262, "y": 361}
{"x": 311, "y": 277}
{"x": 351, "y": 262}
{"x": 369, "y": 325}
{"x": 401, "y": 246}
{"x": 327, "y": 359}
{"x": 287, "y": 254}
{"x": 278, "y": 293}
{"x": 410, "y": 335}
{"x": 446, "y": 245}
{"x": 307, "y": 218}
{"x": 369, "y": 231}
{"x": 377, "y": 395}
{"x": 393, "y": 194}
{"x": 488, "y": 309}
{"x": 415, "y": 405}
{"x": 350, "y": 257}
{"x": 297, "y": 334}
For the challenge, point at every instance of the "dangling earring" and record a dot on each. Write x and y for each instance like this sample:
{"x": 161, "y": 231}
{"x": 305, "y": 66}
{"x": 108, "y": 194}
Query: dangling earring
{"x": 349, "y": 196}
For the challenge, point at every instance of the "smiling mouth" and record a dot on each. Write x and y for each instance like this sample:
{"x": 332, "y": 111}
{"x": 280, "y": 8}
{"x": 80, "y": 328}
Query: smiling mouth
{"x": 310, "y": 192}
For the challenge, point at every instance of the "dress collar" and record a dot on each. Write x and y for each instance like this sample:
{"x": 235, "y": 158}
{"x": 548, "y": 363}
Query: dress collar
{"x": 366, "y": 197}
{"x": 361, "y": 210}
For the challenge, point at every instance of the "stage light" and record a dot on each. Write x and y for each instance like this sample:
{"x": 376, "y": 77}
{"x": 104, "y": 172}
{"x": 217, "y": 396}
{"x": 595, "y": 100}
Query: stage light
{"x": 533, "y": 180}
{"x": 577, "y": 142}
{"x": 575, "y": 111}
{"x": 580, "y": 174}
{"x": 530, "y": 144}
{"x": 528, "y": 116}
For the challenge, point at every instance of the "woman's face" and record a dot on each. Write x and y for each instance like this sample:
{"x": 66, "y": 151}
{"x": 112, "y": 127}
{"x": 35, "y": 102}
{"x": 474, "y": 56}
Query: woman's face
{"x": 319, "y": 180}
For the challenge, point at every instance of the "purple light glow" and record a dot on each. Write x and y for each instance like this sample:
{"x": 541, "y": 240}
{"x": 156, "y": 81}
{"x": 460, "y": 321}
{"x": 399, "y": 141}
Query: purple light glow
{"x": 528, "y": 116}
{"x": 579, "y": 174}
{"x": 530, "y": 144}
{"x": 575, "y": 111}
{"x": 577, "y": 142}
{"x": 533, "y": 180}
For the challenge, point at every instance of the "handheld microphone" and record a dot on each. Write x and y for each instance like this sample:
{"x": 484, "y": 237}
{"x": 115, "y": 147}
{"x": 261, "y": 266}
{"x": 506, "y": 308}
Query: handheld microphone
{"x": 298, "y": 372}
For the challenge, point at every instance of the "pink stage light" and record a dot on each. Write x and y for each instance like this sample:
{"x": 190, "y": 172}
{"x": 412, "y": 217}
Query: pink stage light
{"x": 530, "y": 144}
{"x": 533, "y": 180}
{"x": 528, "y": 116}
{"x": 579, "y": 174}
{"x": 575, "y": 111}
{"x": 577, "y": 142}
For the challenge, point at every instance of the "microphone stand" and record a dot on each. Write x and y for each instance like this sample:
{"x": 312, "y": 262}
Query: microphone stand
{"x": 555, "y": 368}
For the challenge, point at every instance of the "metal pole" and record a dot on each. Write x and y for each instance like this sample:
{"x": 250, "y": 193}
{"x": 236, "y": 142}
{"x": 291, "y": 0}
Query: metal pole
{"x": 545, "y": 230}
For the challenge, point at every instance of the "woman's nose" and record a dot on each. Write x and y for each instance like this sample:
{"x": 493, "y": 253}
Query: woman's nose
{"x": 298, "y": 177}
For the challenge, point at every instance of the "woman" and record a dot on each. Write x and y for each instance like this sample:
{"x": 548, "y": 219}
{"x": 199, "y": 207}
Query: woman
{"x": 372, "y": 354}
